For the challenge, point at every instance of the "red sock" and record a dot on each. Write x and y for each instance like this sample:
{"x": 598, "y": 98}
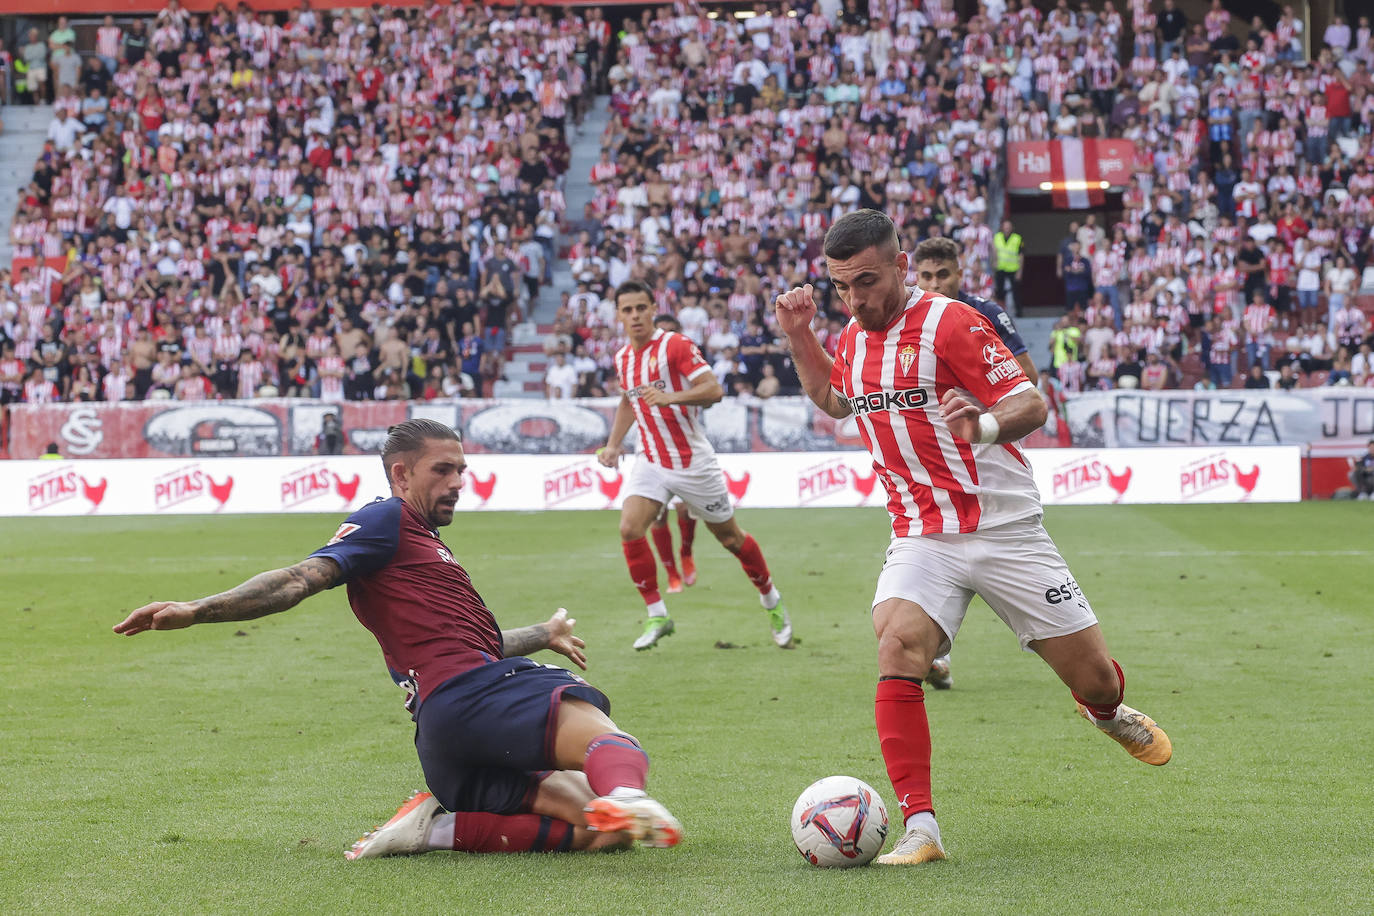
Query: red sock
{"x": 1104, "y": 711}
{"x": 751, "y": 558}
{"x": 904, "y": 736}
{"x": 663, "y": 542}
{"x": 477, "y": 831}
{"x": 643, "y": 568}
{"x": 615, "y": 760}
{"x": 687, "y": 527}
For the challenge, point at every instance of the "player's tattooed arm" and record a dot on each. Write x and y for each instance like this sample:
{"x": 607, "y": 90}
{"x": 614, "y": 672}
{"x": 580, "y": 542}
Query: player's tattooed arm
{"x": 270, "y": 592}
{"x": 556, "y": 634}
{"x": 266, "y": 593}
{"x": 524, "y": 640}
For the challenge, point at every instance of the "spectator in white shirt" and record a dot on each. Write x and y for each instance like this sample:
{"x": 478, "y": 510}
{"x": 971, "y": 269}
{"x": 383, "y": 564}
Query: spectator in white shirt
{"x": 694, "y": 319}
{"x": 750, "y": 69}
{"x": 64, "y": 130}
{"x": 1337, "y": 36}
{"x": 560, "y": 381}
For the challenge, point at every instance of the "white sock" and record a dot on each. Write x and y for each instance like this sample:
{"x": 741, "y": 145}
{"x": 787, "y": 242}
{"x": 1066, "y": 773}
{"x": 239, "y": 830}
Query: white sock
{"x": 441, "y": 831}
{"x": 770, "y": 600}
{"x": 926, "y": 821}
{"x": 626, "y": 792}
{"x": 657, "y": 609}
{"x": 1106, "y": 724}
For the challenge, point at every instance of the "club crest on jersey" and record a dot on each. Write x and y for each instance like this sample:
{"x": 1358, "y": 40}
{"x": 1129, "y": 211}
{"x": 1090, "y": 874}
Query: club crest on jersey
{"x": 904, "y": 399}
{"x": 906, "y": 356}
{"x": 653, "y": 364}
{"x": 344, "y": 531}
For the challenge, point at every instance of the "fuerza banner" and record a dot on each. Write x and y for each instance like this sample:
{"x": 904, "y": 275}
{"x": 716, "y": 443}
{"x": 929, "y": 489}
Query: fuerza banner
{"x": 1337, "y": 419}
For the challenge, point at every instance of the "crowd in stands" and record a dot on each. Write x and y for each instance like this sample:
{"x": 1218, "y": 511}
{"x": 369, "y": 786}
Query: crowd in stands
{"x": 736, "y": 144}
{"x": 359, "y": 205}
{"x": 338, "y": 205}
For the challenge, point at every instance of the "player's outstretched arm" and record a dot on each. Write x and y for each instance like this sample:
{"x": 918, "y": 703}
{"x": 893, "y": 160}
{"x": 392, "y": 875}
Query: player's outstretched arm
{"x": 795, "y": 310}
{"x": 266, "y": 593}
{"x": 555, "y": 634}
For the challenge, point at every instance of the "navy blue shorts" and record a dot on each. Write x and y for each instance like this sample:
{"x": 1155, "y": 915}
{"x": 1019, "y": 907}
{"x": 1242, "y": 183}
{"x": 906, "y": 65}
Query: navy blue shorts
{"x": 485, "y": 737}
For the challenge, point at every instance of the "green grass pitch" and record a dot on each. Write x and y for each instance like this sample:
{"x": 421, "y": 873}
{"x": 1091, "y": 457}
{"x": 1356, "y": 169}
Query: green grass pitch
{"x": 224, "y": 769}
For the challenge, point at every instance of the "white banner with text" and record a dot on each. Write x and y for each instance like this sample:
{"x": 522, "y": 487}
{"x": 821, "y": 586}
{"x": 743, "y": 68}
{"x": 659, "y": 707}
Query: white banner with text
{"x": 536, "y": 482}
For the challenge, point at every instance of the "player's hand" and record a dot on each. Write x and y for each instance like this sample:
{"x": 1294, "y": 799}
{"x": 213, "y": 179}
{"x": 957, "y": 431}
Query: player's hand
{"x": 795, "y": 309}
{"x": 608, "y": 455}
{"x": 655, "y": 397}
{"x": 562, "y": 640}
{"x": 960, "y": 411}
{"x": 160, "y": 615}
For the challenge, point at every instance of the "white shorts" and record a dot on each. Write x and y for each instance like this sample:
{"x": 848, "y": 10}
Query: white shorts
{"x": 1014, "y": 567}
{"x": 701, "y": 487}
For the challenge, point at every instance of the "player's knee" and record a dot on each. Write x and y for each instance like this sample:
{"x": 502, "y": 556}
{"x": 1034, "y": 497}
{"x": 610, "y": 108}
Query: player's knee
{"x": 732, "y": 540}
{"x": 902, "y": 654}
{"x": 631, "y": 530}
{"x": 1098, "y": 682}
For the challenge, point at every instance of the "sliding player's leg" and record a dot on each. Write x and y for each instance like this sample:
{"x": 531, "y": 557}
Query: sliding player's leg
{"x": 554, "y": 821}
{"x": 616, "y": 769}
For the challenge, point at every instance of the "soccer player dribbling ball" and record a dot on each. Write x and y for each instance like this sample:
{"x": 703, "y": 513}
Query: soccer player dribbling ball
{"x": 940, "y": 404}
{"x": 666, "y": 381}
{"x": 518, "y": 757}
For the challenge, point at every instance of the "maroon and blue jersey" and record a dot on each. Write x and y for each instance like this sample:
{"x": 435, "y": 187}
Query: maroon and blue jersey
{"x": 405, "y": 586}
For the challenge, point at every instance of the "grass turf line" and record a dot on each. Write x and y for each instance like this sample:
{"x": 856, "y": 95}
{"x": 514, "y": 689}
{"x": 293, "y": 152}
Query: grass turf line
{"x": 206, "y": 771}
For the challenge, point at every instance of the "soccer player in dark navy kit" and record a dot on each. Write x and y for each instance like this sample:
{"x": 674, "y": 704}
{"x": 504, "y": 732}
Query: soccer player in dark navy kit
{"x": 518, "y": 756}
{"x": 938, "y": 270}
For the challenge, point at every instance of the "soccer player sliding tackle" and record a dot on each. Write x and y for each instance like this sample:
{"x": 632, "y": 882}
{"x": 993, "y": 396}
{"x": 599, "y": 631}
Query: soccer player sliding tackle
{"x": 518, "y": 757}
{"x": 940, "y": 403}
{"x": 666, "y": 382}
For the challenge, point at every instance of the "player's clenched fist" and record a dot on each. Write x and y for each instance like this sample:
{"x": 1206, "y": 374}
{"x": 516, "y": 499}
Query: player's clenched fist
{"x": 795, "y": 309}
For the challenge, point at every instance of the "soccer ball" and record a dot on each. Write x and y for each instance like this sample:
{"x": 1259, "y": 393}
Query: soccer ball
{"x": 839, "y": 822}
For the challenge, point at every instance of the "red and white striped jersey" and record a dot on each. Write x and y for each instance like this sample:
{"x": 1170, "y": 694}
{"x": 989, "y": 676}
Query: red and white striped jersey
{"x": 893, "y": 381}
{"x": 670, "y": 436}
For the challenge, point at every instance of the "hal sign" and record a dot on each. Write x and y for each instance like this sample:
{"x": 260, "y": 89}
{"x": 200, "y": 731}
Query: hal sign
{"x": 1078, "y": 173}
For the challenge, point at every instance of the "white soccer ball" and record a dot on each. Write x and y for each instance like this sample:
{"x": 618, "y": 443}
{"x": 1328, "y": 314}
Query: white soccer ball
{"x": 839, "y": 822}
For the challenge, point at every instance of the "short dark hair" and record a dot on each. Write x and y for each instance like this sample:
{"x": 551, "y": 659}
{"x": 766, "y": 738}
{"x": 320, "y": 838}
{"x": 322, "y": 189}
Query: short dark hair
{"x": 629, "y": 287}
{"x": 669, "y": 320}
{"x": 859, "y": 231}
{"x": 936, "y": 249}
{"x": 410, "y": 437}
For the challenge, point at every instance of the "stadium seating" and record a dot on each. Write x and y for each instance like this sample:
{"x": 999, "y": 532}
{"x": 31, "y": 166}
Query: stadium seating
{"x": 390, "y": 185}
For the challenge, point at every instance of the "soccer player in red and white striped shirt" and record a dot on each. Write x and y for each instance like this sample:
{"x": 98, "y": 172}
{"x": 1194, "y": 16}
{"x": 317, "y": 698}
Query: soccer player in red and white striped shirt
{"x": 666, "y": 381}
{"x": 940, "y": 403}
